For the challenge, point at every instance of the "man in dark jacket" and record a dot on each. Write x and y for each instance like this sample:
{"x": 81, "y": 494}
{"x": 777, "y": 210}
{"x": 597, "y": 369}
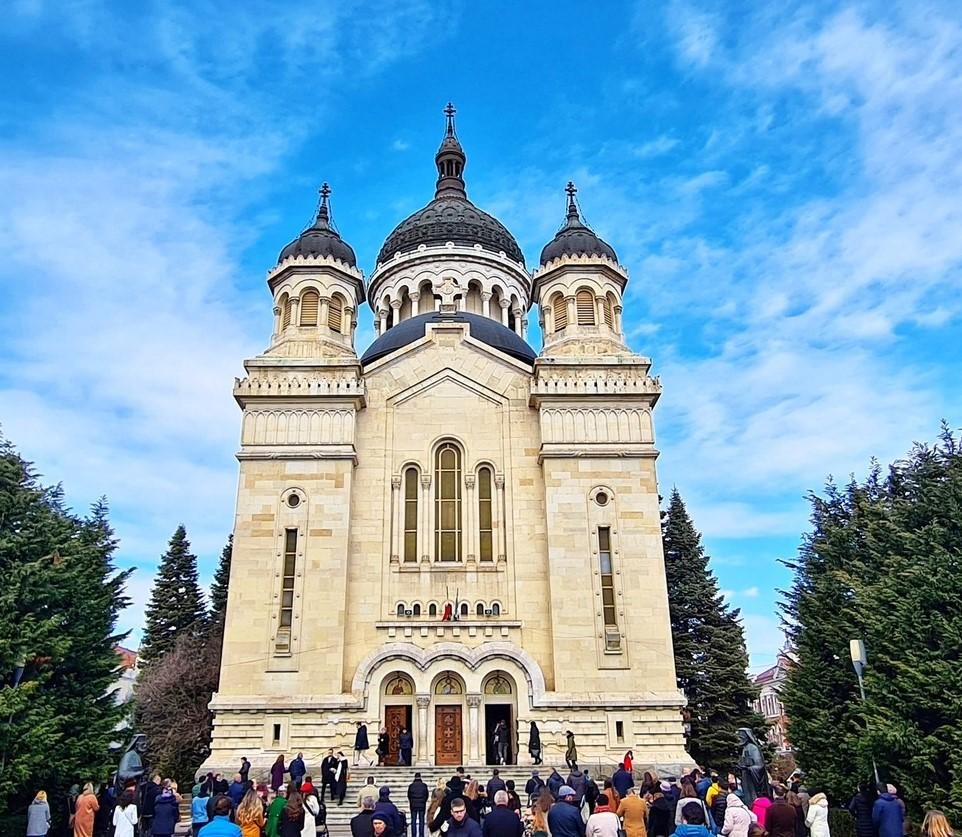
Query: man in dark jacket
{"x": 166, "y": 814}
{"x": 297, "y": 769}
{"x": 361, "y": 825}
{"x": 418, "y": 795}
{"x": 361, "y": 745}
{"x": 576, "y": 780}
{"x": 533, "y": 785}
{"x": 328, "y": 773}
{"x": 390, "y": 810}
{"x": 502, "y": 822}
{"x": 564, "y": 818}
{"x": 622, "y": 781}
{"x": 719, "y": 804}
{"x": 405, "y": 747}
{"x": 781, "y": 818}
{"x": 236, "y": 790}
{"x": 591, "y": 792}
{"x": 888, "y": 813}
{"x": 150, "y": 792}
{"x": 495, "y": 783}
{"x": 661, "y": 815}
{"x": 456, "y": 783}
{"x": 555, "y": 782}
{"x": 460, "y": 824}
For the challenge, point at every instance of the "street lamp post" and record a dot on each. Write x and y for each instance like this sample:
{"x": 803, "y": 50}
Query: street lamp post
{"x": 856, "y": 649}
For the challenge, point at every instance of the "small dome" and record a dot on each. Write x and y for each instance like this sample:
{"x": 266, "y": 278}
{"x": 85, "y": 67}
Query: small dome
{"x": 320, "y": 239}
{"x": 575, "y": 238}
{"x": 450, "y": 216}
{"x": 482, "y": 328}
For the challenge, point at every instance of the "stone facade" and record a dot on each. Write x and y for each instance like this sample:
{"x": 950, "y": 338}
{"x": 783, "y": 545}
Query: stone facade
{"x": 360, "y": 478}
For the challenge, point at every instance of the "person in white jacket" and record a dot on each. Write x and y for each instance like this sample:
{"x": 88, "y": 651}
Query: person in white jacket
{"x": 817, "y": 817}
{"x": 738, "y": 819}
{"x": 125, "y": 816}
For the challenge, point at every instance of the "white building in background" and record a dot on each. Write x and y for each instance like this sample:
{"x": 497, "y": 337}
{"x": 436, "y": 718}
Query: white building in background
{"x": 769, "y": 702}
{"x": 123, "y": 687}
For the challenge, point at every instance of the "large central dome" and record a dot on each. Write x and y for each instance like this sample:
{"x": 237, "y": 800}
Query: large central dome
{"x": 450, "y": 216}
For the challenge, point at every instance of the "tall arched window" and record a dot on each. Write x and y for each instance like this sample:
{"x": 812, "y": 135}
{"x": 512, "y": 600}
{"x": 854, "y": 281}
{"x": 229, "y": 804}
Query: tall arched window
{"x": 285, "y": 311}
{"x": 585, "y": 305}
{"x": 560, "y": 310}
{"x": 485, "y": 516}
{"x": 309, "y": 305}
{"x": 411, "y": 514}
{"x": 447, "y": 503}
{"x": 335, "y": 313}
{"x": 608, "y": 312}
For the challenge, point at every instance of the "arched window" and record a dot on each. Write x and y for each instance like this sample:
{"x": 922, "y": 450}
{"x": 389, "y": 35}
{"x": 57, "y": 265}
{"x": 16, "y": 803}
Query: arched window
{"x": 400, "y": 608}
{"x": 335, "y": 313}
{"x": 495, "y": 609}
{"x": 432, "y": 609}
{"x": 485, "y": 517}
{"x": 411, "y": 514}
{"x": 285, "y": 311}
{"x": 416, "y": 609}
{"x": 608, "y": 312}
{"x": 309, "y": 305}
{"x": 464, "y": 609}
{"x": 560, "y": 310}
{"x": 585, "y": 305}
{"x": 447, "y": 503}
{"x": 479, "y": 610}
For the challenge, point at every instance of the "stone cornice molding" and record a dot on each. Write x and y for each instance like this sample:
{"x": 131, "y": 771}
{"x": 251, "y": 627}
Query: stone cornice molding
{"x": 543, "y": 273}
{"x": 589, "y": 450}
{"x": 277, "y": 272}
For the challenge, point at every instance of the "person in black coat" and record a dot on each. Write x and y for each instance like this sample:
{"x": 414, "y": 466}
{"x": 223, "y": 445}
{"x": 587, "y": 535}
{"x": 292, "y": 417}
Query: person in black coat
{"x": 502, "y": 822}
{"x": 328, "y": 774}
{"x": 861, "y": 808}
{"x": 361, "y": 745}
{"x": 534, "y": 743}
{"x": 405, "y": 747}
{"x": 418, "y": 795}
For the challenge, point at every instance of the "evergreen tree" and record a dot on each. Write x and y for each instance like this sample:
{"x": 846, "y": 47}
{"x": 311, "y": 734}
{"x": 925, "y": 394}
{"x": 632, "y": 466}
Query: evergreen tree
{"x": 711, "y": 661}
{"x": 176, "y": 604}
{"x": 60, "y": 595}
{"x": 218, "y": 588}
{"x": 883, "y": 563}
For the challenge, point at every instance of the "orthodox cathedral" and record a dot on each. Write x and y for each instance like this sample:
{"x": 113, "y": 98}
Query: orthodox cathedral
{"x": 448, "y": 529}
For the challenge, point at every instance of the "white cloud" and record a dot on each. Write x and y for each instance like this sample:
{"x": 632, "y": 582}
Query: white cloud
{"x": 655, "y": 148}
{"x": 400, "y": 145}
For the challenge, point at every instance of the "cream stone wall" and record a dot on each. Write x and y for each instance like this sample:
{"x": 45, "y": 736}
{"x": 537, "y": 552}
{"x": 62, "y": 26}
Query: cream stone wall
{"x": 337, "y": 438}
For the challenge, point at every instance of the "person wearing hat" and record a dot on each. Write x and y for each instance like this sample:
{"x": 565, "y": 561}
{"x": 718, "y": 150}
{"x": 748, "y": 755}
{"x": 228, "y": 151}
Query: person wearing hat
{"x": 387, "y": 808}
{"x": 460, "y": 824}
{"x": 661, "y": 817}
{"x": 564, "y": 818}
{"x": 362, "y": 824}
{"x": 381, "y": 825}
{"x": 274, "y": 812}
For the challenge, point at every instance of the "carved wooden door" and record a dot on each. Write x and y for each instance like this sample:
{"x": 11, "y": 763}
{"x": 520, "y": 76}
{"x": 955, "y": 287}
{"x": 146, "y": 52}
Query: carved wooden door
{"x": 447, "y": 735}
{"x": 395, "y": 719}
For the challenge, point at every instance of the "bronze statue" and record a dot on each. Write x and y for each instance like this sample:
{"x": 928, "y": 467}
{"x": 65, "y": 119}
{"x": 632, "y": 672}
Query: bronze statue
{"x": 131, "y": 770}
{"x": 754, "y": 775}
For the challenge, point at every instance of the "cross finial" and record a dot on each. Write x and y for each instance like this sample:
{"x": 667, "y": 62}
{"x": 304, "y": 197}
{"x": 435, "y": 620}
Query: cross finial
{"x": 323, "y": 213}
{"x": 449, "y": 112}
{"x": 572, "y": 190}
{"x": 325, "y": 191}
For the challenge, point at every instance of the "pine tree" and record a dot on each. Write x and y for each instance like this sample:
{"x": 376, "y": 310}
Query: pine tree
{"x": 218, "y": 588}
{"x": 176, "y": 604}
{"x": 711, "y": 661}
{"x": 884, "y": 564}
{"x": 60, "y": 595}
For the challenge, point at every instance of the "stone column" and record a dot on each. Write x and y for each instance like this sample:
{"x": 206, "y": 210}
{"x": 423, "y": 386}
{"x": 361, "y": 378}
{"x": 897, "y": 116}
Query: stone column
{"x": 277, "y": 322}
{"x": 486, "y": 303}
{"x": 414, "y": 296}
{"x": 505, "y": 304}
{"x": 600, "y": 310}
{"x": 500, "y": 535}
{"x": 471, "y": 529}
{"x": 474, "y": 732}
{"x": 397, "y": 516}
{"x": 423, "y": 758}
{"x": 618, "y": 310}
{"x": 295, "y": 304}
{"x": 347, "y": 323}
{"x": 324, "y": 317}
{"x": 572, "y": 311}
{"x": 396, "y": 305}
{"x": 517, "y": 321}
{"x": 425, "y": 518}
{"x": 382, "y": 320}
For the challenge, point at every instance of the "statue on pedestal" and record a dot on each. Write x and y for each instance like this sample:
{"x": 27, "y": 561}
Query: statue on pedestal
{"x": 751, "y": 765}
{"x": 131, "y": 771}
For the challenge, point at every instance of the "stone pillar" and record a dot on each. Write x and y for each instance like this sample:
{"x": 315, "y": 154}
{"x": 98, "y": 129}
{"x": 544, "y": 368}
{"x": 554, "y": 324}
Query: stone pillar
{"x": 505, "y": 304}
{"x": 618, "y": 310}
{"x": 547, "y": 321}
{"x": 347, "y": 323}
{"x": 324, "y": 317}
{"x": 500, "y": 535}
{"x": 423, "y": 758}
{"x": 486, "y": 303}
{"x": 572, "y": 311}
{"x": 396, "y": 305}
{"x": 600, "y": 310}
{"x": 517, "y": 322}
{"x": 425, "y": 518}
{"x": 295, "y": 304}
{"x": 382, "y": 320}
{"x": 397, "y": 517}
{"x": 474, "y": 732}
{"x": 471, "y": 529}
{"x": 414, "y": 296}
{"x": 277, "y": 322}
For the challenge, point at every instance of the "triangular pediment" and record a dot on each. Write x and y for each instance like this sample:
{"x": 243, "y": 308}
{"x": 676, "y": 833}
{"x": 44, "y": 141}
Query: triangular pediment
{"x": 451, "y": 379}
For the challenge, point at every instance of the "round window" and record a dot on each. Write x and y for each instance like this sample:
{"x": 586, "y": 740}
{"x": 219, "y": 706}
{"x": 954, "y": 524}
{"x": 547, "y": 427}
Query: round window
{"x": 601, "y": 498}
{"x": 293, "y": 500}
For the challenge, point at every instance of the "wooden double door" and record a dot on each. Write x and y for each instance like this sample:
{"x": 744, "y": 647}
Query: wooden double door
{"x": 396, "y": 718}
{"x": 447, "y": 735}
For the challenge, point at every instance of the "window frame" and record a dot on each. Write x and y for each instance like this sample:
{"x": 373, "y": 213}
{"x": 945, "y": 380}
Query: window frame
{"x": 448, "y": 506}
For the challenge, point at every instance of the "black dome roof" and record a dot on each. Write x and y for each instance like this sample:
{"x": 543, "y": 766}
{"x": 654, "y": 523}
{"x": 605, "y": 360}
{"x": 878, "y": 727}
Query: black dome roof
{"x": 450, "y": 216}
{"x": 482, "y": 328}
{"x": 575, "y": 238}
{"x": 320, "y": 239}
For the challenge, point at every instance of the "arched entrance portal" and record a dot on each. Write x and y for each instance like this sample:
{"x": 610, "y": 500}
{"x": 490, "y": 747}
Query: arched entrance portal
{"x": 448, "y": 697}
{"x": 500, "y": 696}
{"x": 398, "y": 713}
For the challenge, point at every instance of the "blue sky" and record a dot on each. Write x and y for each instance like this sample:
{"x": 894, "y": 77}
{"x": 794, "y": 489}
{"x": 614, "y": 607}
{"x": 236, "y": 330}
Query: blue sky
{"x": 783, "y": 182}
